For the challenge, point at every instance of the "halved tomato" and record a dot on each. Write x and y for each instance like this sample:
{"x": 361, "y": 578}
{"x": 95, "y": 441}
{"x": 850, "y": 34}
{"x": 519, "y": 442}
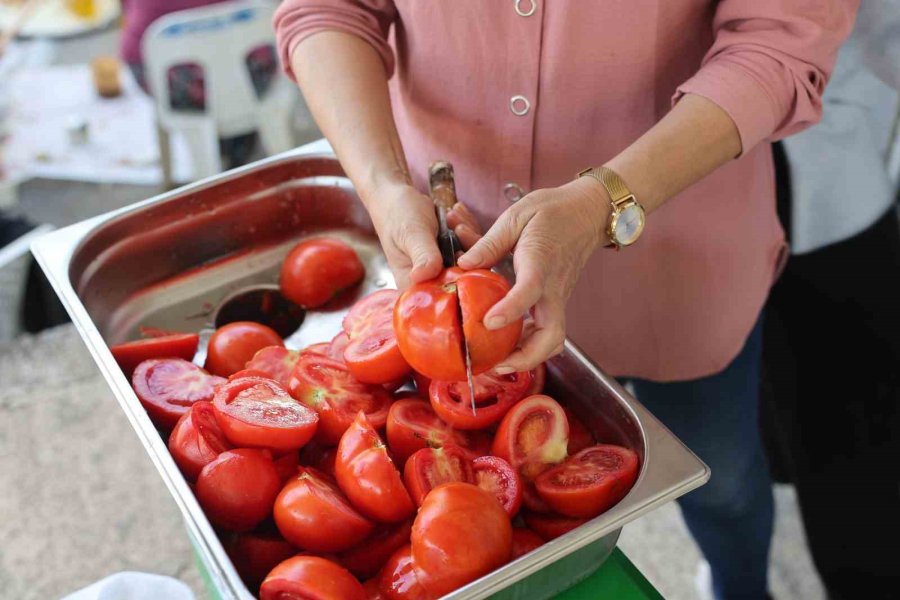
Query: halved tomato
{"x": 372, "y": 352}
{"x": 328, "y": 387}
{"x": 255, "y": 554}
{"x": 533, "y": 436}
{"x": 275, "y": 362}
{"x": 429, "y": 331}
{"x": 312, "y": 513}
{"x": 197, "y": 440}
{"x": 495, "y": 475}
{"x": 176, "y": 345}
{"x": 368, "y": 476}
{"x": 524, "y": 541}
{"x": 249, "y": 373}
{"x": 168, "y": 387}
{"x": 312, "y": 577}
{"x": 238, "y": 488}
{"x": 366, "y": 558}
{"x": 494, "y": 396}
{"x": 532, "y": 500}
{"x": 431, "y": 467}
{"x": 259, "y": 413}
{"x": 579, "y": 436}
{"x": 232, "y": 345}
{"x": 412, "y": 425}
{"x": 399, "y": 579}
{"x": 315, "y": 270}
{"x": 550, "y": 525}
{"x": 590, "y": 482}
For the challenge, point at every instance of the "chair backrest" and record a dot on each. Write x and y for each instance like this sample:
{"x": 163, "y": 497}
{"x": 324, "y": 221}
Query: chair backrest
{"x": 218, "y": 38}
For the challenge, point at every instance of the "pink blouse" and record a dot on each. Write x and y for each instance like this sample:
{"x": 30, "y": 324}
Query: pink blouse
{"x": 528, "y": 92}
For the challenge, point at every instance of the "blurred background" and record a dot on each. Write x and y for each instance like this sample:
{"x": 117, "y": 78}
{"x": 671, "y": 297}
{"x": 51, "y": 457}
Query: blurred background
{"x": 80, "y": 136}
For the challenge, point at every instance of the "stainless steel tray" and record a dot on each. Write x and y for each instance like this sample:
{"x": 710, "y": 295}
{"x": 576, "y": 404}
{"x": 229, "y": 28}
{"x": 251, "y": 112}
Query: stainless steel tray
{"x": 171, "y": 262}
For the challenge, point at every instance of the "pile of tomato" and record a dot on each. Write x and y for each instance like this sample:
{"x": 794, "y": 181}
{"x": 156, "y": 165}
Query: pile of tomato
{"x": 336, "y": 471}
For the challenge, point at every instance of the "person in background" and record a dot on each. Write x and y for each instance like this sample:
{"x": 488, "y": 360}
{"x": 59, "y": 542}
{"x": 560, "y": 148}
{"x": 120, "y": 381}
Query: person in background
{"x": 186, "y": 83}
{"x": 669, "y": 109}
{"x": 831, "y": 351}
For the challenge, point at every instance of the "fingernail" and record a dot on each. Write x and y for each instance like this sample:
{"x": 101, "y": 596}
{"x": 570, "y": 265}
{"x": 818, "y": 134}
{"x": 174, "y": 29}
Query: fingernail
{"x": 495, "y": 322}
{"x": 504, "y": 370}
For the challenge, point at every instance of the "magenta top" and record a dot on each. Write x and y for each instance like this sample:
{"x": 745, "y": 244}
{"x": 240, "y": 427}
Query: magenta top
{"x": 593, "y": 75}
{"x": 139, "y": 14}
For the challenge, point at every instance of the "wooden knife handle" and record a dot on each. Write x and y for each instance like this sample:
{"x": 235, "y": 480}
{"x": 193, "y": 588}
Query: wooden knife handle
{"x": 441, "y": 182}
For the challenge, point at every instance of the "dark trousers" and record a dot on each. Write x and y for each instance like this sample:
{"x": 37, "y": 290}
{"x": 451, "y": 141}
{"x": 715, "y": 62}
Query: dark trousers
{"x": 831, "y": 402}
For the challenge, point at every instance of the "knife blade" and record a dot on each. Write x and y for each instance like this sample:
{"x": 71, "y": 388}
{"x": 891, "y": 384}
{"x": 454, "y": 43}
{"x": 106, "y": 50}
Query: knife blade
{"x": 443, "y": 193}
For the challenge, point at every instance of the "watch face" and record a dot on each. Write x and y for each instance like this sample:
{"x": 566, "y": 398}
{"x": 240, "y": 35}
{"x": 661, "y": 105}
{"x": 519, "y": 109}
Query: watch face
{"x": 629, "y": 225}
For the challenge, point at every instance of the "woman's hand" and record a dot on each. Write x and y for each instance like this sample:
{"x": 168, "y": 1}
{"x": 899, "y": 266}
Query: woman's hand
{"x": 552, "y": 233}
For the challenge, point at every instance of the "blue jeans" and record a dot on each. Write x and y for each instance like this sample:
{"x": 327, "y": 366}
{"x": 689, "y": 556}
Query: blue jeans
{"x": 731, "y": 517}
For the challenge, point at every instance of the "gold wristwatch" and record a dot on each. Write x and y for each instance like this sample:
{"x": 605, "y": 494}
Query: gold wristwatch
{"x": 626, "y": 219}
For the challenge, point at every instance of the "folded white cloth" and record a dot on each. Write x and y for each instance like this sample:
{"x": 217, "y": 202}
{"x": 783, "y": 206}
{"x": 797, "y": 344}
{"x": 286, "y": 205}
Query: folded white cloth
{"x": 132, "y": 585}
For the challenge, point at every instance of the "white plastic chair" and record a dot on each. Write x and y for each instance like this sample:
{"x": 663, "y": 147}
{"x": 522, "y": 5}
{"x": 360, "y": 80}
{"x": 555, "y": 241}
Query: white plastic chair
{"x": 218, "y": 38}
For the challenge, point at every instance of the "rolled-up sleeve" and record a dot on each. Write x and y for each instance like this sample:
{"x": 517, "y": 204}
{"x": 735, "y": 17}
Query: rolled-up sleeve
{"x": 770, "y": 61}
{"x": 370, "y": 20}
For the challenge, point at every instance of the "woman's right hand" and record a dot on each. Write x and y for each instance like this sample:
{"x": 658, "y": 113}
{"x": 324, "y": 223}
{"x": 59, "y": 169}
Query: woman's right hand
{"x": 406, "y": 224}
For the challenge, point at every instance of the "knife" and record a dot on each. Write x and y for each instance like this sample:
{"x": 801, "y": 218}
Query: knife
{"x": 443, "y": 193}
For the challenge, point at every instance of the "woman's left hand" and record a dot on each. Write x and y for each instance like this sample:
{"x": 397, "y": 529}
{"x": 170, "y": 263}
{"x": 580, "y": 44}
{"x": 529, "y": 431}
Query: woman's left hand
{"x": 551, "y": 232}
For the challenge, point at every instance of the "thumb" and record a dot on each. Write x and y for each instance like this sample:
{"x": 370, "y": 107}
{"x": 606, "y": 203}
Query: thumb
{"x": 500, "y": 239}
{"x": 421, "y": 248}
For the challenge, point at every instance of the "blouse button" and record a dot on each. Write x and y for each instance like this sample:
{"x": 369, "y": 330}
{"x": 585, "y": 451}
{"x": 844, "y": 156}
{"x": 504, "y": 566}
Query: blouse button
{"x": 519, "y": 105}
{"x": 513, "y": 192}
{"x": 526, "y": 8}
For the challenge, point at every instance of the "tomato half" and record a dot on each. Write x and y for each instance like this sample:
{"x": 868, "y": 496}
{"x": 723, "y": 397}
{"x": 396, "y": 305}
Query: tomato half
{"x": 372, "y": 352}
{"x": 328, "y": 387}
{"x": 590, "y": 482}
{"x": 366, "y": 558}
{"x": 412, "y": 425}
{"x": 494, "y": 396}
{"x": 312, "y": 513}
{"x": 399, "y": 579}
{"x": 276, "y": 362}
{"x": 255, "y": 554}
{"x": 238, "y": 488}
{"x": 249, "y": 373}
{"x": 431, "y": 467}
{"x": 313, "y": 578}
{"x": 231, "y": 346}
{"x": 549, "y": 525}
{"x": 524, "y": 541}
{"x": 177, "y": 345}
{"x": 259, "y": 413}
{"x": 368, "y": 476}
{"x": 197, "y": 440}
{"x": 496, "y": 476}
{"x": 168, "y": 387}
{"x": 429, "y": 331}
{"x": 314, "y": 271}
{"x": 533, "y": 436}
{"x": 460, "y": 533}
{"x": 579, "y": 436}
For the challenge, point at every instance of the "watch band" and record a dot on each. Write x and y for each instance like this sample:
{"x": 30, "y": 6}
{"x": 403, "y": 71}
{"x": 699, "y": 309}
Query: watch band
{"x": 610, "y": 180}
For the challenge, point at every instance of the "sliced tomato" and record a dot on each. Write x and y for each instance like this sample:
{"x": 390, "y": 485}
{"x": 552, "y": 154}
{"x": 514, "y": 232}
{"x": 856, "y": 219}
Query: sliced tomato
{"x": 368, "y": 476}
{"x": 431, "y": 467}
{"x": 589, "y": 482}
{"x": 276, "y": 362}
{"x": 310, "y": 577}
{"x": 238, "y": 488}
{"x": 249, "y": 373}
{"x": 176, "y": 345}
{"x": 320, "y": 349}
{"x": 287, "y": 464}
{"x": 328, "y": 387}
{"x": 366, "y": 558}
{"x": 312, "y": 513}
{"x": 524, "y": 541}
{"x": 412, "y": 425}
{"x": 316, "y": 270}
{"x": 255, "y": 554}
{"x": 168, "y": 387}
{"x": 538, "y": 380}
{"x": 259, "y": 413}
{"x": 550, "y": 525}
{"x": 579, "y": 436}
{"x": 494, "y": 396}
{"x": 319, "y": 457}
{"x": 533, "y": 436}
{"x": 197, "y": 440}
{"x": 532, "y": 500}
{"x": 372, "y": 352}
{"x": 431, "y": 317}
{"x": 233, "y": 345}
{"x": 495, "y": 475}
{"x": 399, "y": 579}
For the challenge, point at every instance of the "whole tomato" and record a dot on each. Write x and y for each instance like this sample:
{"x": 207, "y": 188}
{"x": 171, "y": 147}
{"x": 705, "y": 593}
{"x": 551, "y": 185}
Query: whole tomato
{"x": 238, "y": 488}
{"x": 311, "y": 577}
{"x": 431, "y": 317}
{"x": 460, "y": 533}
{"x": 233, "y": 345}
{"x": 316, "y": 270}
{"x": 368, "y": 476}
